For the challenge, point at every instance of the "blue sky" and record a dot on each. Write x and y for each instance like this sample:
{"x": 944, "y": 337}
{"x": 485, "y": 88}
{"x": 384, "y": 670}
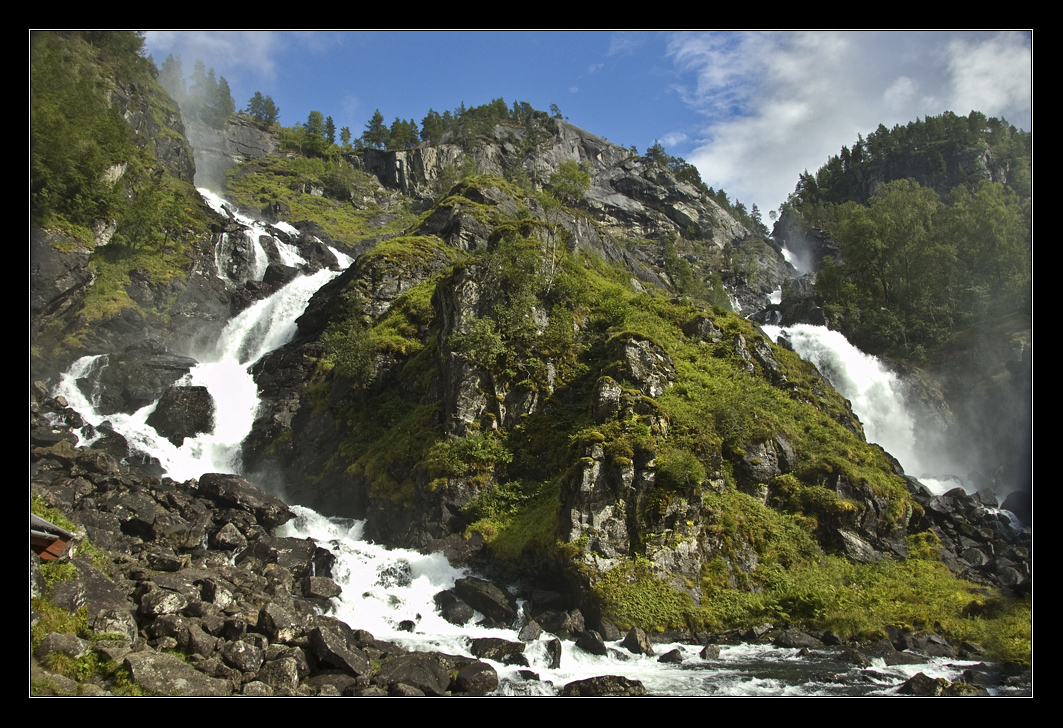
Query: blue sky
{"x": 751, "y": 109}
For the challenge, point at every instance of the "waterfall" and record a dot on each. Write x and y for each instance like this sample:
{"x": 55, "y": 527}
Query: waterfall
{"x": 253, "y": 233}
{"x": 877, "y": 398}
{"x": 224, "y": 371}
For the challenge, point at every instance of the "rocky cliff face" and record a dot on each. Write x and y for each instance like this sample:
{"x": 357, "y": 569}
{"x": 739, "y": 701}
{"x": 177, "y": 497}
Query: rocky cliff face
{"x": 219, "y": 150}
{"x": 630, "y": 196}
{"x": 471, "y": 364}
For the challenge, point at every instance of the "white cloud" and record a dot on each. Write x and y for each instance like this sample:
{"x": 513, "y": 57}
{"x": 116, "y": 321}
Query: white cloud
{"x": 623, "y": 43}
{"x": 777, "y": 103}
{"x": 992, "y": 76}
{"x": 673, "y": 137}
{"x": 595, "y": 67}
{"x": 573, "y": 89}
{"x": 900, "y": 93}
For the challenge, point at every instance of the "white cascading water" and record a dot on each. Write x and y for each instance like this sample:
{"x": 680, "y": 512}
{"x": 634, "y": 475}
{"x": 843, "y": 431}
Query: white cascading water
{"x": 224, "y": 371}
{"x": 877, "y": 398}
{"x": 384, "y": 587}
{"x": 254, "y": 232}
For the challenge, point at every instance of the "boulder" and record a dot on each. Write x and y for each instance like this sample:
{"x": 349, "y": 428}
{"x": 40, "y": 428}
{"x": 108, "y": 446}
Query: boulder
{"x": 234, "y": 491}
{"x": 183, "y": 412}
{"x": 163, "y": 674}
{"x": 611, "y": 686}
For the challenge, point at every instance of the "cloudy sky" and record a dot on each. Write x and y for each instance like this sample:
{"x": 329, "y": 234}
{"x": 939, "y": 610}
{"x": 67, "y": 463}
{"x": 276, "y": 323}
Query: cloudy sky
{"x": 751, "y": 109}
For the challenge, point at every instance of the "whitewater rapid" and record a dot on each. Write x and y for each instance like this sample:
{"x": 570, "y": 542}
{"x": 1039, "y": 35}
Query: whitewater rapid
{"x": 385, "y": 589}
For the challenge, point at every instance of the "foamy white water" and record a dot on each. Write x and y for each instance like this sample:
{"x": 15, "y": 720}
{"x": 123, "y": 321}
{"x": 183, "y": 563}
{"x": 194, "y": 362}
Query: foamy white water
{"x": 876, "y": 395}
{"x": 224, "y": 370}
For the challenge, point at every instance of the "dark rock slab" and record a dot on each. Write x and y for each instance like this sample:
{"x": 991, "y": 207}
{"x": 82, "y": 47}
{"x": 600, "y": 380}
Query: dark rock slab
{"x": 922, "y": 685}
{"x": 488, "y": 599}
{"x": 672, "y": 657}
{"x": 332, "y": 649}
{"x": 611, "y": 686}
{"x": 795, "y": 638}
{"x": 234, "y": 491}
{"x": 591, "y": 641}
{"x": 183, "y": 412}
{"x": 477, "y": 678}
{"x": 637, "y": 642}
{"x": 428, "y": 672}
{"x": 494, "y": 648}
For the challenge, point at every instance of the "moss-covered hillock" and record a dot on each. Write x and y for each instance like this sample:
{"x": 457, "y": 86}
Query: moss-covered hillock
{"x": 678, "y": 467}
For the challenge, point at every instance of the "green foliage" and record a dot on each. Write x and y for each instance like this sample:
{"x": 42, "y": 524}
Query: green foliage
{"x": 340, "y": 212}
{"x": 208, "y": 98}
{"x": 517, "y": 519}
{"x": 939, "y": 152}
{"x": 930, "y": 246}
{"x": 315, "y": 142}
{"x": 38, "y": 507}
{"x": 450, "y": 175}
{"x": 402, "y": 134}
{"x": 860, "y": 600}
{"x": 916, "y": 269}
{"x": 77, "y": 135}
{"x": 481, "y": 344}
{"x": 87, "y": 171}
{"x": 476, "y": 454}
{"x": 57, "y": 571}
{"x": 432, "y": 127}
{"x": 56, "y": 619}
{"x": 570, "y": 182}
{"x": 263, "y": 110}
{"x": 376, "y": 134}
{"x": 630, "y": 595}
{"x": 351, "y": 351}
{"x": 679, "y": 469}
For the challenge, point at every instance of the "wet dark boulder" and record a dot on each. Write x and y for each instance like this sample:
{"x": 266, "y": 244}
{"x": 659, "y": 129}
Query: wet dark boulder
{"x": 183, "y": 412}
{"x": 234, "y": 491}
{"x": 136, "y": 377}
{"x": 611, "y": 686}
{"x": 488, "y": 599}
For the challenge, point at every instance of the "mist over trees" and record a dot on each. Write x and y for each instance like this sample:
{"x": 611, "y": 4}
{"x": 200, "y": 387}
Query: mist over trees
{"x": 204, "y": 97}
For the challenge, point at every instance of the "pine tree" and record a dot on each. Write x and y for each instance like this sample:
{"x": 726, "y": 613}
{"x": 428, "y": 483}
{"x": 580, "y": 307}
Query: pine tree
{"x": 222, "y": 105}
{"x": 172, "y": 78}
{"x": 432, "y": 127}
{"x": 314, "y": 142}
{"x": 376, "y": 135}
{"x": 262, "y": 109}
{"x": 330, "y": 130}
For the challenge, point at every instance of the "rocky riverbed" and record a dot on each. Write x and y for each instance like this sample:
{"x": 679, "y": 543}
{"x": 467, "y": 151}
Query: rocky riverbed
{"x": 186, "y": 589}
